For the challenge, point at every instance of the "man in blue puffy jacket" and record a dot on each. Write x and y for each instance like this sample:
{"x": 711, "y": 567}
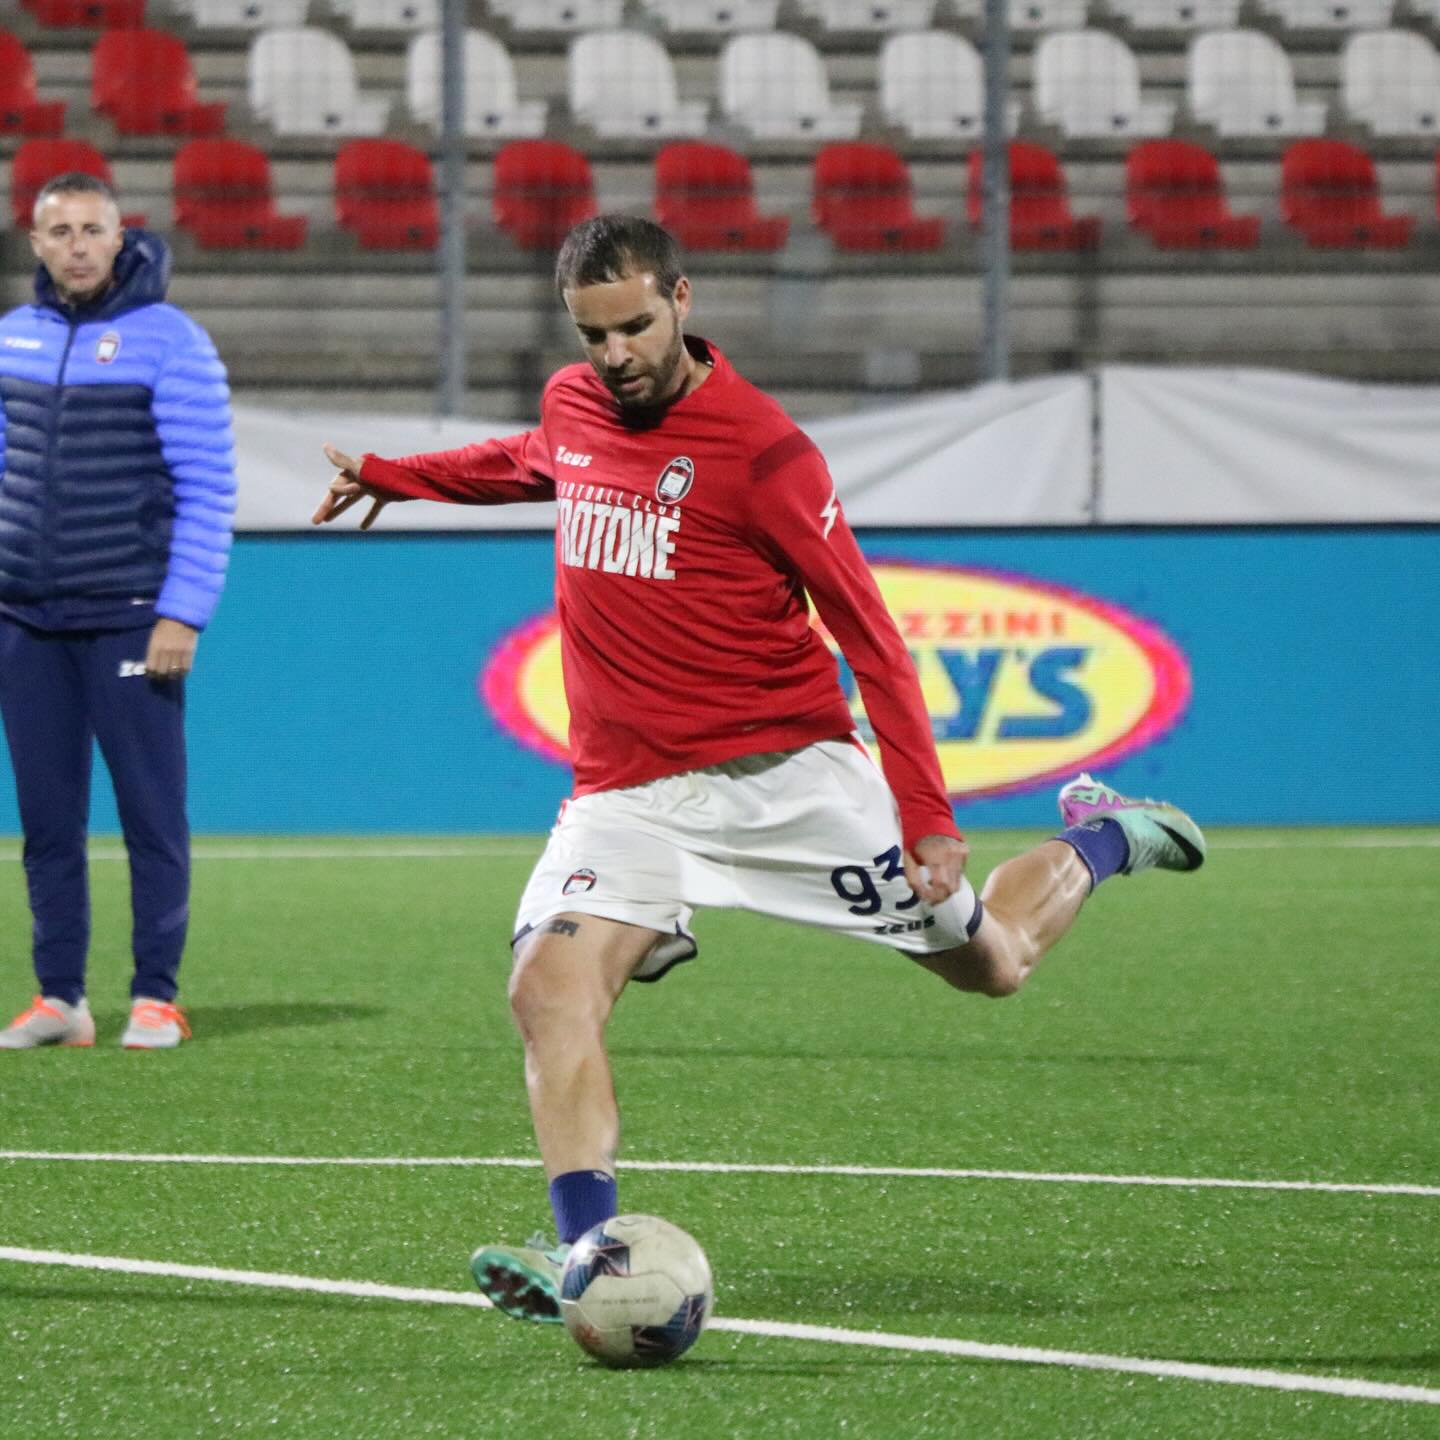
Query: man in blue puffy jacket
{"x": 117, "y": 496}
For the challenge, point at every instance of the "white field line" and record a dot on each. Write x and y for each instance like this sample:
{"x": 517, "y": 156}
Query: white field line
{"x": 724, "y": 1167}
{"x": 770, "y": 1329}
{"x": 482, "y": 849}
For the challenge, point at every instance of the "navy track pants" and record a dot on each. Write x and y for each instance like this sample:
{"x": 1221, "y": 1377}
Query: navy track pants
{"x": 59, "y": 692}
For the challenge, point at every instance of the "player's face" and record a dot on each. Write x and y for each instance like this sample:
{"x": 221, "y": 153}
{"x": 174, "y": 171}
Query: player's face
{"x": 76, "y": 238}
{"x": 633, "y": 337}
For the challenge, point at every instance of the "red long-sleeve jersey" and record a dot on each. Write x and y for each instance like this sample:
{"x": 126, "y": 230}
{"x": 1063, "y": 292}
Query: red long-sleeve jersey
{"x": 684, "y": 549}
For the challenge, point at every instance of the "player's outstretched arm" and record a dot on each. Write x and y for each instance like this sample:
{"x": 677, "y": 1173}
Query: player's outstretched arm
{"x": 346, "y": 489}
{"x": 943, "y": 858}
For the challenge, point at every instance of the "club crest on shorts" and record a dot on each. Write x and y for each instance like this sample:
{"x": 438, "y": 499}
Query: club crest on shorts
{"x": 675, "y": 480}
{"x": 579, "y": 883}
{"x": 107, "y": 347}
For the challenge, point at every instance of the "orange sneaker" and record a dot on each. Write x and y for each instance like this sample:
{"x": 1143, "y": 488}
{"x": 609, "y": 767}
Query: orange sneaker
{"x": 154, "y": 1025}
{"x": 49, "y": 1021}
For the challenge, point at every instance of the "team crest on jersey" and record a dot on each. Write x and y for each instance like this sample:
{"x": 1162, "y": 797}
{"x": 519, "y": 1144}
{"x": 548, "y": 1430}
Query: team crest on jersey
{"x": 107, "y": 347}
{"x": 581, "y": 882}
{"x": 675, "y": 480}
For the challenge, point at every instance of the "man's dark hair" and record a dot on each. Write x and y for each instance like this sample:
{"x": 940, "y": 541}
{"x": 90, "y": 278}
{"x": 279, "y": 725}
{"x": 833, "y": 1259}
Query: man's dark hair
{"x": 606, "y": 248}
{"x": 75, "y": 182}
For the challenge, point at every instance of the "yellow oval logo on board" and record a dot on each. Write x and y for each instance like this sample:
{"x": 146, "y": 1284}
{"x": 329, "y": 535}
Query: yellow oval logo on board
{"x": 1025, "y": 681}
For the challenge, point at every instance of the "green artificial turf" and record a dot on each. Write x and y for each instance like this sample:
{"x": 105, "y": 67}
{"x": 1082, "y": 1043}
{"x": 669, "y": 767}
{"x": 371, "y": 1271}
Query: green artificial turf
{"x": 1271, "y": 1018}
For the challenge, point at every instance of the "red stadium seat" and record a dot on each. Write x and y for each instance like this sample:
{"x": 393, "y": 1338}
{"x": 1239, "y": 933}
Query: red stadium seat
{"x": 37, "y": 161}
{"x": 385, "y": 195}
{"x": 1174, "y": 193}
{"x": 863, "y": 200}
{"x": 223, "y": 198}
{"x": 541, "y": 189}
{"x": 143, "y": 81}
{"x": 22, "y": 112}
{"x": 1040, "y": 215}
{"x": 1329, "y": 193}
{"x": 705, "y": 196}
{"x": 87, "y": 14}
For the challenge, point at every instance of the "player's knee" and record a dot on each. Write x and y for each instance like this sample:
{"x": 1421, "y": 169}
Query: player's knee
{"x": 977, "y": 972}
{"x": 545, "y": 997}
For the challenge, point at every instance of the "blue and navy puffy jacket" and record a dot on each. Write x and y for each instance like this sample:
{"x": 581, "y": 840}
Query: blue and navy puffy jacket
{"x": 117, "y": 463}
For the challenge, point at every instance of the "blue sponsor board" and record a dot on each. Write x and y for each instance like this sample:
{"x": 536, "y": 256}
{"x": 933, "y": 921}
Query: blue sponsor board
{"x": 339, "y": 687}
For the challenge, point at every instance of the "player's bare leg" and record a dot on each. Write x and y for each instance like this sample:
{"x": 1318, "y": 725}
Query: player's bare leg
{"x": 566, "y": 979}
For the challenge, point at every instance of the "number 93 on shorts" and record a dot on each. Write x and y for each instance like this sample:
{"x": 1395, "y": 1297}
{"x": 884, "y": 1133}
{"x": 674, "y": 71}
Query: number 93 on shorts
{"x": 808, "y": 835}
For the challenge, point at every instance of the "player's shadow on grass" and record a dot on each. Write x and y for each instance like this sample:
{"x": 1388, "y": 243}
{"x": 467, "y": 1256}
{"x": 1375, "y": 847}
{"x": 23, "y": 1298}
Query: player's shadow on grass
{"x": 218, "y": 1021}
{"x": 949, "y": 1058}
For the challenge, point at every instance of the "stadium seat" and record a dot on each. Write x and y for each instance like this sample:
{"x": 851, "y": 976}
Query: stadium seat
{"x": 560, "y": 14}
{"x": 1330, "y": 14}
{"x": 37, "y": 161}
{"x": 1040, "y": 215}
{"x": 541, "y": 188}
{"x": 775, "y": 87}
{"x": 714, "y": 16}
{"x": 1174, "y": 194}
{"x": 302, "y": 82}
{"x": 143, "y": 82}
{"x": 22, "y": 112}
{"x": 932, "y": 85}
{"x": 1178, "y": 14}
{"x": 1047, "y": 14}
{"x": 621, "y": 83}
{"x": 87, "y": 14}
{"x": 223, "y": 198}
{"x": 863, "y": 200}
{"x": 1088, "y": 83}
{"x": 870, "y": 14}
{"x": 492, "y": 104}
{"x": 385, "y": 195}
{"x": 246, "y": 14}
{"x": 1330, "y": 194}
{"x": 705, "y": 196}
{"x": 1240, "y": 81}
{"x": 389, "y": 14}
{"x": 1390, "y": 80}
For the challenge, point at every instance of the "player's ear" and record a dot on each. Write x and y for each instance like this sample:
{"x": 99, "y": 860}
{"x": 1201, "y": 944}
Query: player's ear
{"x": 680, "y": 297}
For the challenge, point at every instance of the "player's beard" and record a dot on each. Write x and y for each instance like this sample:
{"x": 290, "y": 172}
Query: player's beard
{"x": 661, "y": 390}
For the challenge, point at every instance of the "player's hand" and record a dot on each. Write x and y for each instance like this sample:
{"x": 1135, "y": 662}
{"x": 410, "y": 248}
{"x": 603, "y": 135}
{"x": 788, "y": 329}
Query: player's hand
{"x": 170, "y": 655}
{"x": 346, "y": 489}
{"x": 935, "y": 866}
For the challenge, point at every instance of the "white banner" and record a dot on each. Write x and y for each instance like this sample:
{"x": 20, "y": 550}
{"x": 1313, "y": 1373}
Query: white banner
{"x": 1001, "y": 454}
{"x": 1232, "y": 447}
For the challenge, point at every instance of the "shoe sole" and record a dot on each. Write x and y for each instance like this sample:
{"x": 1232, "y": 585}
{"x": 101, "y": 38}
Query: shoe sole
{"x": 513, "y": 1291}
{"x": 1192, "y": 853}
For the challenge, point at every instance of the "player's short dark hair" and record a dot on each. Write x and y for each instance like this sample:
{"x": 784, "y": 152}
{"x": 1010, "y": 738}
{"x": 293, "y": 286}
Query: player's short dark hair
{"x": 606, "y": 248}
{"x": 75, "y": 182}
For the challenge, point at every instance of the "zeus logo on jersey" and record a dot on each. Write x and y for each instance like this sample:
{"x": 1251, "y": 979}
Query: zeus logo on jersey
{"x": 572, "y": 457}
{"x": 615, "y": 531}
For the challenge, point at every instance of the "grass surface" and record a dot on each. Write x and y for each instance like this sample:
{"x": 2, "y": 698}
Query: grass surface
{"x": 1273, "y": 1017}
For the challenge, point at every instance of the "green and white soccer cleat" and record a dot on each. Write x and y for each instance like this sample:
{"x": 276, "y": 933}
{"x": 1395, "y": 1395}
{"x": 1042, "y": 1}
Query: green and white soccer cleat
{"x": 1161, "y": 836}
{"x": 522, "y": 1281}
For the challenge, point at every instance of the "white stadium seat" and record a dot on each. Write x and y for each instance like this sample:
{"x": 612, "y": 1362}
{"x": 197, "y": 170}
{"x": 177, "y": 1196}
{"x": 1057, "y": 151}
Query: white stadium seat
{"x": 776, "y": 88}
{"x": 1390, "y": 80}
{"x": 1331, "y": 14}
{"x": 1240, "y": 81}
{"x": 1179, "y": 14}
{"x": 714, "y": 16}
{"x": 621, "y": 82}
{"x": 870, "y": 14}
{"x": 389, "y": 14}
{"x": 1088, "y": 83}
{"x": 243, "y": 14}
{"x": 932, "y": 85}
{"x": 492, "y": 105}
{"x": 560, "y": 14}
{"x": 301, "y": 81}
{"x": 1047, "y": 14}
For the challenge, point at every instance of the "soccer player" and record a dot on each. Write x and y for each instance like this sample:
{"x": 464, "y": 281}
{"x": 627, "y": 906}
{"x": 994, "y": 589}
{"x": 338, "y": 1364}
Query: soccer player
{"x": 714, "y": 752}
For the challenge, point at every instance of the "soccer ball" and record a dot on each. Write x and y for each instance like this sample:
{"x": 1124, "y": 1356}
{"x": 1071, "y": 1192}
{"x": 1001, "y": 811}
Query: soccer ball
{"x": 636, "y": 1291}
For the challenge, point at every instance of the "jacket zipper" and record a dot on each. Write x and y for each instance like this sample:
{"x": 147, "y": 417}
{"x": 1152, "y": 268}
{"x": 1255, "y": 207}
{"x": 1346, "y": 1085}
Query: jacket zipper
{"x": 47, "y": 557}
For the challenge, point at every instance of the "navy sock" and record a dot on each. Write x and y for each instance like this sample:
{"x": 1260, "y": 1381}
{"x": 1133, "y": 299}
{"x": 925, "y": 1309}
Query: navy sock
{"x": 581, "y": 1199}
{"x": 1101, "y": 844}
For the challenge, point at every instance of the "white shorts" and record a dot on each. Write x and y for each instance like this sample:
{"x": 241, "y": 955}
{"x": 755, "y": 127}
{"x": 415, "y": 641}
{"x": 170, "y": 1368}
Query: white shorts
{"x": 810, "y": 835}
